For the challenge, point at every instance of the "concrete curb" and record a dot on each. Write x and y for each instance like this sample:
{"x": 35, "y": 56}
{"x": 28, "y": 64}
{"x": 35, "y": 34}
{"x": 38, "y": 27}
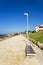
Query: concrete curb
{"x": 40, "y": 45}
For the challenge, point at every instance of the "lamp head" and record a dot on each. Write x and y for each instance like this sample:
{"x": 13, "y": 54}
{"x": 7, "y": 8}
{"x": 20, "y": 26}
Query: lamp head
{"x": 26, "y": 14}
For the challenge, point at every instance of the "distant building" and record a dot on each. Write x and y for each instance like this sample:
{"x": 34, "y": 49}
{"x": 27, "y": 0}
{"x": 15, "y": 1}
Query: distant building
{"x": 39, "y": 28}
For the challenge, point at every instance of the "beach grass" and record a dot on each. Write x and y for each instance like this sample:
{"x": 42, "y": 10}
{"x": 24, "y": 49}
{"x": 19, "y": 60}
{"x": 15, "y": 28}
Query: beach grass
{"x": 37, "y": 36}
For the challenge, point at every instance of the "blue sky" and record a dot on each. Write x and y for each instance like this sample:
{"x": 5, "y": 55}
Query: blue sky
{"x": 12, "y": 17}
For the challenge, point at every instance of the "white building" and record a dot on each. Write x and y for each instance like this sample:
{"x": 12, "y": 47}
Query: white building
{"x": 39, "y": 28}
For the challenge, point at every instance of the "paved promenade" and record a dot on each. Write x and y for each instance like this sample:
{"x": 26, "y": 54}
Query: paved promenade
{"x": 12, "y": 52}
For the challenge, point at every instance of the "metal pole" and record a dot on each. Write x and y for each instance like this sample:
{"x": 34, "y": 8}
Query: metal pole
{"x": 27, "y": 26}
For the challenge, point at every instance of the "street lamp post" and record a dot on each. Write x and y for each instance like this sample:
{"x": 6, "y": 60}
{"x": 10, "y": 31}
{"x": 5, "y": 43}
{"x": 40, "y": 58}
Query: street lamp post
{"x": 26, "y": 14}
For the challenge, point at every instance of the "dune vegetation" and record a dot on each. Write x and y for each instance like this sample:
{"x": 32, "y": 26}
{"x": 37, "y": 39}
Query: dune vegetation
{"x": 37, "y": 36}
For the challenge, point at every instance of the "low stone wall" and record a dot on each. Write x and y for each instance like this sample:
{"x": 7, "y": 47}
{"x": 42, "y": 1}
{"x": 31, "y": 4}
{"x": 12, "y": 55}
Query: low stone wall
{"x": 40, "y": 45}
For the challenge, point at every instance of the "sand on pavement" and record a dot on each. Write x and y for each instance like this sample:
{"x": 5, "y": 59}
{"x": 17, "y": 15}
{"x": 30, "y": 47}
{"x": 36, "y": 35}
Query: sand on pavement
{"x": 12, "y": 52}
